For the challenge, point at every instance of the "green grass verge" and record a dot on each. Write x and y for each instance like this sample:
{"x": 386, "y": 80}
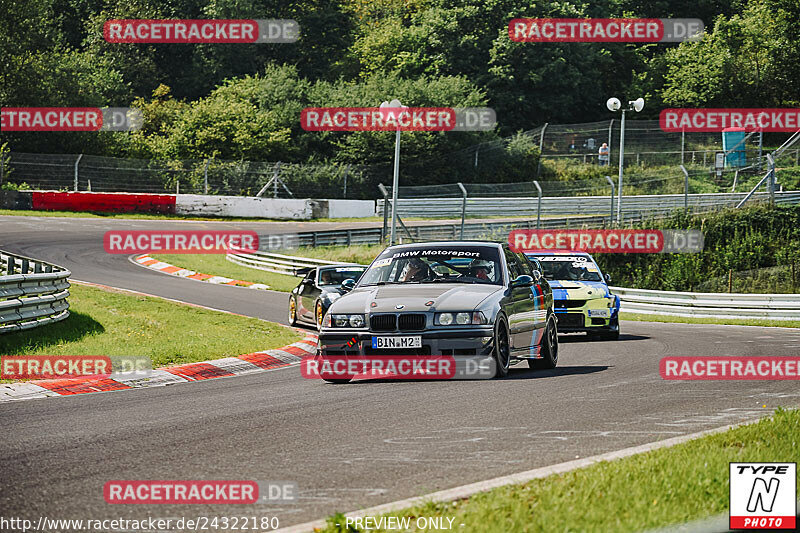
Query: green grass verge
{"x": 359, "y": 253}
{"x": 217, "y": 265}
{"x": 651, "y": 490}
{"x": 109, "y": 322}
{"x": 691, "y": 320}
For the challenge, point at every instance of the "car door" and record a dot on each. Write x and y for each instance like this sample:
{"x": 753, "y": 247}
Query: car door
{"x": 308, "y": 294}
{"x": 520, "y": 306}
{"x": 539, "y": 291}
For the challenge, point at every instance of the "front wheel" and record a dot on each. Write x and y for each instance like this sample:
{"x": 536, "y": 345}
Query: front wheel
{"x": 292, "y": 311}
{"x": 502, "y": 349}
{"x": 319, "y": 314}
{"x": 612, "y": 335}
{"x": 549, "y": 349}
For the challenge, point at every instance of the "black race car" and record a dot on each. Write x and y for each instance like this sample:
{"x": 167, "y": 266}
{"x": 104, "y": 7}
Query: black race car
{"x": 319, "y": 288}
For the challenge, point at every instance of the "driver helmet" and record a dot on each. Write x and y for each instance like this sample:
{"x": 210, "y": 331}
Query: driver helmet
{"x": 480, "y": 268}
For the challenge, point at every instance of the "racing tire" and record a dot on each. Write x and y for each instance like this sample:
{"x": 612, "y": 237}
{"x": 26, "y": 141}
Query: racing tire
{"x": 502, "y": 349}
{"x": 611, "y": 335}
{"x": 292, "y": 311}
{"x": 549, "y": 351}
{"x": 318, "y": 315}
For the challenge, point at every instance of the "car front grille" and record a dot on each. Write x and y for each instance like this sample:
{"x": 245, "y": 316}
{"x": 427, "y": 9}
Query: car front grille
{"x": 569, "y": 304}
{"x": 382, "y": 322}
{"x": 411, "y": 322}
{"x": 571, "y": 319}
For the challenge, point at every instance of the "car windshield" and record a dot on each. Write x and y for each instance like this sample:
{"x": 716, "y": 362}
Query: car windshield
{"x": 335, "y": 276}
{"x": 436, "y": 264}
{"x": 572, "y": 268}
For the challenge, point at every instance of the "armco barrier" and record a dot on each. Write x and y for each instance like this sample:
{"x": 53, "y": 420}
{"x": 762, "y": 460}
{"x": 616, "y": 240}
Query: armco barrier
{"x": 710, "y": 305}
{"x": 643, "y": 205}
{"x": 32, "y": 293}
{"x": 280, "y": 264}
{"x": 673, "y": 303}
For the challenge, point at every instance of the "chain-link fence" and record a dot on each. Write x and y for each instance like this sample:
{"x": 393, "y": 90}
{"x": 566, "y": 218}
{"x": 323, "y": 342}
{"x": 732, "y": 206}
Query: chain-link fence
{"x": 781, "y": 279}
{"x": 567, "y": 166}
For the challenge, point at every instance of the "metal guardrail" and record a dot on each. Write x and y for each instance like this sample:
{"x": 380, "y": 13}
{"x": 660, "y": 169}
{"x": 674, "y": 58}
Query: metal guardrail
{"x": 32, "y": 293}
{"x": 277, "y": 263}
{"x": 673, "y": 303}
{"x": 432, "y": 232}
{"x": 709, "y": 305}
{"x": 638, "y": 205}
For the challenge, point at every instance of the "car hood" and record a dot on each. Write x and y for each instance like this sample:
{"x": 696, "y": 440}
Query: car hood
{"x": 579, "y": 290}
{"x": 387, "y": 298}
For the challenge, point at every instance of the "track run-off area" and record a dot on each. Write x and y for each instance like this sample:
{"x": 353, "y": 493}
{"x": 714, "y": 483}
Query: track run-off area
{"x": 352, "y": 446}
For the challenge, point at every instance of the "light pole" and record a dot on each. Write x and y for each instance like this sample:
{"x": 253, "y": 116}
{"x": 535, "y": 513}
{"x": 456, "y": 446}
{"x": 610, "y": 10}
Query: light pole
{"x": 613, "y": 105}
{"x": 388, "y": 109}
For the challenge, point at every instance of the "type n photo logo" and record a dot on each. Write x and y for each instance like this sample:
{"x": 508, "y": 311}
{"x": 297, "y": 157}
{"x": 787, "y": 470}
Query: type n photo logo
{"x": 763, "y": 495}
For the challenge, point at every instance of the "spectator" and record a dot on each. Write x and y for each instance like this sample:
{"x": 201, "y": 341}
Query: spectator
{"x": 603, "y": 155}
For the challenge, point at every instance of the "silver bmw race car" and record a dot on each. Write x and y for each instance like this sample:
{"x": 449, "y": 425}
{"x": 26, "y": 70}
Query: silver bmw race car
{"x": 446, "y": 298}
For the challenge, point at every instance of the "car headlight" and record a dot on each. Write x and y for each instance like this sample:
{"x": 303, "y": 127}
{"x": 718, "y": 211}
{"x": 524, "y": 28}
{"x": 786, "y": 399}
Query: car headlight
{"x": 462, "y": 318}
{"x": 344, "y": 321}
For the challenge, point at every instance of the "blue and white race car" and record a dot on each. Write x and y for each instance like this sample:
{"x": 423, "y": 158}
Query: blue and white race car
{"x": 581, "y": 298}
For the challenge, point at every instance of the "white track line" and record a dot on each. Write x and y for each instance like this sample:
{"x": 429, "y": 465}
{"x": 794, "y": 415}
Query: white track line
{"x": 465, "y": 491}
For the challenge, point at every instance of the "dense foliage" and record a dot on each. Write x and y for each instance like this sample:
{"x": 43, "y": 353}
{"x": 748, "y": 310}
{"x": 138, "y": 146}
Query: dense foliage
{"x": 243, "y": 101}
{"x": 735, "y": 240}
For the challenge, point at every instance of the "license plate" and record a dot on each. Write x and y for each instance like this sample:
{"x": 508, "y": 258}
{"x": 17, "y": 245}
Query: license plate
{"x": 601, "y": 313}
{"x": 397, "y": 342}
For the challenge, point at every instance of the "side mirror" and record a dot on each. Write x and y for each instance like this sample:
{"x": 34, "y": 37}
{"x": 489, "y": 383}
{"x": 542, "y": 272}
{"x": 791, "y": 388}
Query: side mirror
{"x": 537, "y": 275}
{"x": 348, "y": 285}
{"x": 607, "y": 278}
{"x": 522, "y": 281}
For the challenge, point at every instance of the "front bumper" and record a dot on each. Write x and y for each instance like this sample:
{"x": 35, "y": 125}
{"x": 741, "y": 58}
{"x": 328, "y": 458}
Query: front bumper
{"x": 452, "y": 341}
{"x": 574, "y": 321}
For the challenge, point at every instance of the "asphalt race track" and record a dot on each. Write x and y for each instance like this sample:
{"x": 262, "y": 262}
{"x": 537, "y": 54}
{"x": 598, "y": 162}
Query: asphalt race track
{"x": 346, "y": 446}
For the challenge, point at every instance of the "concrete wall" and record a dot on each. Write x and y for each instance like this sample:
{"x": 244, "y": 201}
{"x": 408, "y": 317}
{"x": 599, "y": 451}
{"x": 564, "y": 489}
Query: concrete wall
{"x": 351, "y": 208}
{"x": 240, "y": 206}
{"x": 187, "y": 204}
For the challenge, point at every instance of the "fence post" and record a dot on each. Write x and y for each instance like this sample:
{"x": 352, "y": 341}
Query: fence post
{"x": 611, "y": 215}
{"x": 771, "y": 182}
{"x": 610, "y": 127}
{"x": 683, "y": 143}
{"x": 205, "y": 178}
{"x": 735, "y": 180}
{"x": 75, "y": 188}
{"x": 730, "y": 280}
{"x": 686, "y": 189}
{"x": 2, "y": 166}
{"x": 346, "y": 171}
{"x": 538, "y": 205}
{"x": 463, "y": 207}
{"x": 385, "y": 194}
{"x": 541, "y": 149}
